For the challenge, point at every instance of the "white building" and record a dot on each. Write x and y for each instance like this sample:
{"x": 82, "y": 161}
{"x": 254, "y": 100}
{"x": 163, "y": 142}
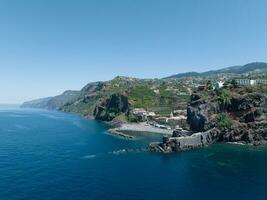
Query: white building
{"x": 143, "y": 114}
{"x": 151, "y": 114}
{"x": 250, "y": 81}
{"x": 218, "y": 85}
{"x": 139, "y": 111}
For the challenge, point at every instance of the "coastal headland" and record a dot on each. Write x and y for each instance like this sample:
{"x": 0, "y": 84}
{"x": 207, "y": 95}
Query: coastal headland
{"x": 189, "y": 110}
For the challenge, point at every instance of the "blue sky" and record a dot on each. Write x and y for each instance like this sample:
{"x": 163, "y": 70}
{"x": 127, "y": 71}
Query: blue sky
{"x": 48, "y": 46}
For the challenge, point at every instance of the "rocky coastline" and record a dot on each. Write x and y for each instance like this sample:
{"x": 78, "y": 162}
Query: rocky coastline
{"x": 230, "y": 115}
{"x": 183, "y": 143}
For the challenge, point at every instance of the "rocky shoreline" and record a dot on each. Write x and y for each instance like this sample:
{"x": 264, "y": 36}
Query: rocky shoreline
{"x": 242, "y": 121}
{"x": 231, "y": 114}
{"x": 177, "y": 143}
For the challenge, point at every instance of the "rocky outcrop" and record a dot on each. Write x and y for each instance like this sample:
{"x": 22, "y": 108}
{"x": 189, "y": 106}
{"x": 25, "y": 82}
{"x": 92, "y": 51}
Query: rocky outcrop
{"x": 248, "y": 133}
{"x": 235, "y": 114}
{"x": 247, "y": 108}
{"x": 184, "y": 143}
{"x": 242, "y": 119}
{"x": 111, "y": 107}
{"x": 200, "y": 113}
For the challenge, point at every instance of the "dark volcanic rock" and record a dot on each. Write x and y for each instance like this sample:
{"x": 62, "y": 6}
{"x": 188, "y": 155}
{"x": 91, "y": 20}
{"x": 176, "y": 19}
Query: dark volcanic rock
{"x": 184, "y": 143}
{"x": 112, "y": 107}
{"x": 245, "y": 102}
{"x": 247, "y": 133}
{"x": 200, "y": 115}
{"x": 246, "y": 117}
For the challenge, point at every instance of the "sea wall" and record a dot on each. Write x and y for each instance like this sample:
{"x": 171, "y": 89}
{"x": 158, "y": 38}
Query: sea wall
{"x": 195, "y": 141}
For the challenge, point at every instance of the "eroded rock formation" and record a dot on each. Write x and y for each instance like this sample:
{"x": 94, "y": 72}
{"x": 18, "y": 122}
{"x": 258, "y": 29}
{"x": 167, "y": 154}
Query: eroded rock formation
{"x": 111, "y": 107}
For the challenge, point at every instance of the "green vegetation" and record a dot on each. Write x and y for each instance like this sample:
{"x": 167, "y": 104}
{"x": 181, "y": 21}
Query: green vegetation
{"x": 224, "y": 98}
{"x": 224, "y": 121}
{"x": 251, "y": 68}
{"x": 141, "y": 96}
{"x": 159, "y": 96}
{"x": 122, "y": 118}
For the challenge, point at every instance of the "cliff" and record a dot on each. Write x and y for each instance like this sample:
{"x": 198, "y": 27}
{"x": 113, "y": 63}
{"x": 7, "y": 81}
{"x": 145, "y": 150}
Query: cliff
{"x": 230, "y": 114}
{"x": 162, "y": 96}
{"x": 114, "y": 99}
{"x": 239, "y": 113}
{"x": 111, "y": 107}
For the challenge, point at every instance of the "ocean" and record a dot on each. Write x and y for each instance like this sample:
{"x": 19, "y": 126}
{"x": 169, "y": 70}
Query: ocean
{"x": 55, "y": 155}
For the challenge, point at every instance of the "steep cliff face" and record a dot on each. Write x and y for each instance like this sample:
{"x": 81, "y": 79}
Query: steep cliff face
{"x": 247, "y": 107}
{"x": 201, "y": 113}
{"x": 111, "y": 107}
{"x": 238, "y": 113}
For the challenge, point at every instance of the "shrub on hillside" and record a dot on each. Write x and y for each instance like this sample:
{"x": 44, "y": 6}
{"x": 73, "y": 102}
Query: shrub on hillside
{"x": 224, "y": 121}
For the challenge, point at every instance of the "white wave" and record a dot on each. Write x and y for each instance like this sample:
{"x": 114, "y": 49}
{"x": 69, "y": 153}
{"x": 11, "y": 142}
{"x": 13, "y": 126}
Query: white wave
{"x": 89, "y": 156}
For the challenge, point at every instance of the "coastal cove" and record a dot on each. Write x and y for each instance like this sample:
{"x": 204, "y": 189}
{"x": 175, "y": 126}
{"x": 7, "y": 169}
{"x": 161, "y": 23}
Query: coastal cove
{"x": 55, "y": 155}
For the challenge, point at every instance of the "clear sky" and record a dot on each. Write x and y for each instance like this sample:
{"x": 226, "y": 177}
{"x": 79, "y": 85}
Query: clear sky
{"x": 48, "y": 46}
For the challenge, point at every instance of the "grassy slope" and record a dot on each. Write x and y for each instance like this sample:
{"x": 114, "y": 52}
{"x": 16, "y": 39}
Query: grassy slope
{"x": 155, "y": 95}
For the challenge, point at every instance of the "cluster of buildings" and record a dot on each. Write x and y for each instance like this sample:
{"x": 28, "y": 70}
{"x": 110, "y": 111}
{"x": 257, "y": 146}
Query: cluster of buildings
{"x": 250, "y": 82}
{"x": 176, "y": 119}
{"x": 245, "y": 82}
{"x": 215, "y": 86}
{"x": 173, "y": 121}
{"x": 142, "y": 114}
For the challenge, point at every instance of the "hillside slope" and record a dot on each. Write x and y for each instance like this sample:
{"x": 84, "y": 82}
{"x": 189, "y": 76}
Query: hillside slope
{"x": 251, "y": 68}
{"x": 37, "y": 103}
{"x": 53, "y": 103}
{"x": 98, "y": 99}
{"x": 116, "y": 98}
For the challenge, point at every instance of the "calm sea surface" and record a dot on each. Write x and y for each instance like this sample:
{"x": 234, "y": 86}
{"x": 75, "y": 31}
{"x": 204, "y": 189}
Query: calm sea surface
{"x": 53, "y": 155}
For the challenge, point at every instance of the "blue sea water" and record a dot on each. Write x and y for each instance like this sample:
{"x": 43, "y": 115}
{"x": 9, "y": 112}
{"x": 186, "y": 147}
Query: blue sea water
{"x": 54, "y": 155}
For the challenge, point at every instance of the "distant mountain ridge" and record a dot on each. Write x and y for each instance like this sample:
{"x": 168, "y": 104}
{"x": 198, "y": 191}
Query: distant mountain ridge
{"x": 52, "y": 103}
{"x": 250, "y": 68}
{"x": 37, "y": 103}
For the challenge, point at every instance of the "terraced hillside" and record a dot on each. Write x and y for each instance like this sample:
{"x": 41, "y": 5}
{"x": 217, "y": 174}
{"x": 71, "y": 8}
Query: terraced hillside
{"x": 156, "y": 95}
